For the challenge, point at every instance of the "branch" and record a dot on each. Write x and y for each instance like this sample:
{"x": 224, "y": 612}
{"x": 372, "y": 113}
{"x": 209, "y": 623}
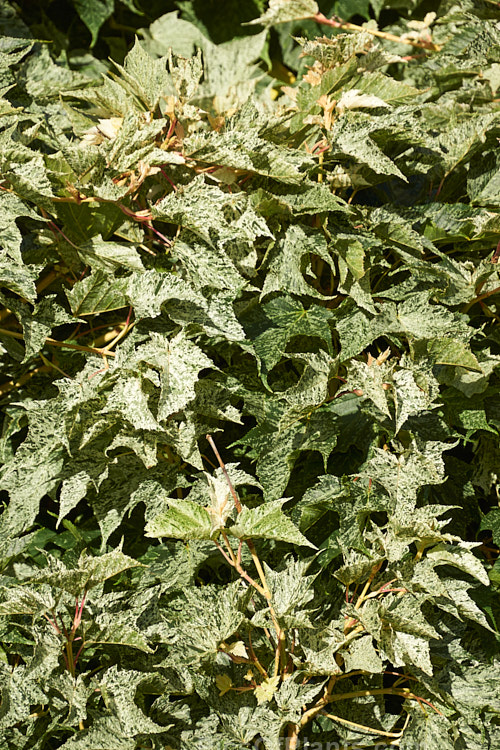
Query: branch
{"x": 337, "y": 23}
{"x": 10, "y": 385}
{"x": 64, "y": 344}
{"x": 363, "y": 728}
{"x": 265, "y": 591}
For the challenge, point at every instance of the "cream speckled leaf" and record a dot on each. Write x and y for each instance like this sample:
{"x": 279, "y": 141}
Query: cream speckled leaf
{"x": 148, "y": 291}
{"x": 410, "y": 398}
{"x": 374, "y": 381}
{"x": 403, "y": 475}
{"x": 211, "y": 214}
{"x": 281, "y": 11}
{"x": 460, "y": 557}
{"x": 362, "y": 655}
{"x": 287, "y": 262}
{"x": 248, "y": 151}
{"x": 179, "y": 363}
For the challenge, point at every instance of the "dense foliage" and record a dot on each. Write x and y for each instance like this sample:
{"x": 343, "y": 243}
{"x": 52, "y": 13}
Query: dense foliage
{"x": 250, "y": 346}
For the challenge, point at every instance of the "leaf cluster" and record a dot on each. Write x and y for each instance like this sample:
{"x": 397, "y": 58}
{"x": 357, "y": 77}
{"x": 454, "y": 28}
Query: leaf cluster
{"x": 249, "y": 375}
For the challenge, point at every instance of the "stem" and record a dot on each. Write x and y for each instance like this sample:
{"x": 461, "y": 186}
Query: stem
{"x": 337, "y": 23}
{"x": 367, "y": 585}
{"x": 488, "y": 312}
{"x": 362, "y": 726}
{"x": 53, "y": 623}
{"x": 222, "y": 551}
{"x": 47, "y": 281}
{"x": 280, "y": 649}
{"x": 496, "y": 254}
{"x": 52, "y": 365}
{"x": 78, "y": 654}
{"x": 234, "y": 561}
{"x": 239, "y": 569}
{"x": 403, "y": 693}
{"x": 63, "y": 626}
{"x": 260, "y": 570}
{"x": 480, "y": 297}
{"x": 277, "y": 656}
{"x": 294, "y": 729}
{"x": 361, "y": 598}
{"x": 352, "y": 196}
{"x": 173, "y": 123}
{"x": 174, "y": 186}
{"x": 128, "y": 327}
{"x": 69, "y": 656}
{"x": 78, "y": 613}
{"x": 320, "y": 165}
{"x": 53, "y": 342}
{"x": 254, "y": 658}
{"x": 164, "y": 239}
{"x": 5, "y": 313}
{"x": 265, "y": 591}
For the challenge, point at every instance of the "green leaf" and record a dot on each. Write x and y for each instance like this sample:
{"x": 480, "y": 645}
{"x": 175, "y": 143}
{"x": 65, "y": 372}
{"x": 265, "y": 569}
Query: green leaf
{"x": 403, "y": 475}
{"x": 104, "y": 731}
{"x": 362, "y": 655}
{"x": 94, "y": 294}
{"x": 372, "y": 381}
{"x": 411, "y": 397}
{"x": 184, "y": 519}
{"x": 120, "y": 635}
{"x": 94, "y": 14}
{"x": 279, "y": 321}
{"x": 37, "y": 324}
{"x": 483, "y": 183}
{"x": 41, "y": 457}
{"x": 26, "y": 601}
{"x": 171, "y": 32}
{"x": 351, "y": 137}
{"x": 211, "y": 214}
{"x": 305, "y": 198}
{"x": 208, "y": 618}
{"x": 144, "y": 77}
{"x": 108, "y": 256}
{"x": 491, "y": 521}
{"x": 208, "y": 266}
{"x": 120, "y": 686}
{"x": 148, "y": 291}
{"x": 281, "y": 11}
{"x": 449, "y": 352}
{"x": 18, "y": 278}
{"x": 428, "y": 729}
{"x": 267, "y": 522}
{"x": 179, "y": 363}
{"x": 305, "y": 231}
{"x": 464, "y": 139}
{"x": 291, "y": 592}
